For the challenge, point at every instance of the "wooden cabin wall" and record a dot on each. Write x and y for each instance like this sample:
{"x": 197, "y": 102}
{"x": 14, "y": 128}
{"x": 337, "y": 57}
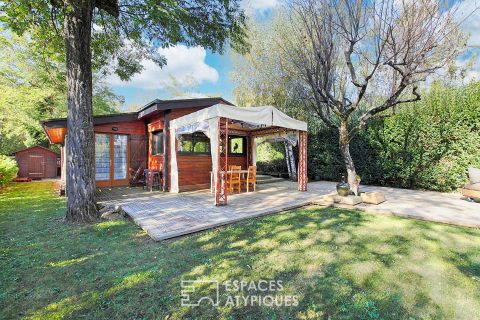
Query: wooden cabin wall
{"x": 194, "y": 171}
{"x": 137, "y": 141}
{"x": 155, "y": 162}
{"x": 128, "y": 127}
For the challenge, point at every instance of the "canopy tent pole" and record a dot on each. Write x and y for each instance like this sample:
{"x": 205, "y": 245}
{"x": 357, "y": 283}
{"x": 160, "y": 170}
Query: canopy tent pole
{"x": 302, "y": 161}
{"x": 221, "y": 186}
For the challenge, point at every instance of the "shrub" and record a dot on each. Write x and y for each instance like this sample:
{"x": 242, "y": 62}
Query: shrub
{"x": 426, "y": 145}
{"x": 271, "y": 158}
{"x": 8, "y": 169}
{"x": 272, "y": 166}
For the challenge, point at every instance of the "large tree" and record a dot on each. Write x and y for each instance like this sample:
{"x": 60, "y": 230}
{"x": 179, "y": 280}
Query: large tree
{"x": 116, "y": 34}
{"x": 359, "y": 59}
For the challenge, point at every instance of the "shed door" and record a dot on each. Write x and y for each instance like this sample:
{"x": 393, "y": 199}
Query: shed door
{"x": 36, "y": 166}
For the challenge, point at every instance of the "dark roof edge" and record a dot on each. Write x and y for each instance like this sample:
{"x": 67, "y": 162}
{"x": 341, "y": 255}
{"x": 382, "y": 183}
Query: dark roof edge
{"x": 155, "y": 105}
{"x": 158, "y": 101}
{"x": 180, "y": 104}
{"x": 148, "y": 105}
{"x": 100, "y": 119}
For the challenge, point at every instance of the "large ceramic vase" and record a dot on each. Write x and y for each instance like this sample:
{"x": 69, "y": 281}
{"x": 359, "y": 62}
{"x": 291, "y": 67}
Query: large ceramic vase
{"x": 343, "y": 188}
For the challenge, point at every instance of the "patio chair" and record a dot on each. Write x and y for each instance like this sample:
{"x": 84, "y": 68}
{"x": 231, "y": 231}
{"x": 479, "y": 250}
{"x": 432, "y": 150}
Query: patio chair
{"x": 251, "y": 178}
{"x": 472, "y": 189}
{"x": 235, "y": 178}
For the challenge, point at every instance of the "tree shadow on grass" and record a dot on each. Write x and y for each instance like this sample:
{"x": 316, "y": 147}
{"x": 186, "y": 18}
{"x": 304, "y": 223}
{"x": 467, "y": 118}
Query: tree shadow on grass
{"x": 318, "y": 253}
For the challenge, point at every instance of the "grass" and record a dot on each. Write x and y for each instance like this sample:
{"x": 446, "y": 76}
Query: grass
{"x": 340, "y": 264}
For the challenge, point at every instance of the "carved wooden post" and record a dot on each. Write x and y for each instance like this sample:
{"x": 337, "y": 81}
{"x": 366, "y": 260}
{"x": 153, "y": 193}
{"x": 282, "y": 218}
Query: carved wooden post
{"x": 221, "y": 186}
{"x": 302, "y": 161}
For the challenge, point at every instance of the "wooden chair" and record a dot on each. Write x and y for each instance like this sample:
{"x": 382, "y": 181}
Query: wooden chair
{"x": 251, "y": 178}
{"x": 235, "y": 179}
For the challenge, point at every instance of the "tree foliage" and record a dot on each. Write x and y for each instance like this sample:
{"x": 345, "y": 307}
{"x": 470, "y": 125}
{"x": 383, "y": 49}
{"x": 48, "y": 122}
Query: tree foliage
{"x": 346, "y": 63}
{"x": 33, "y": 88}
{"x": 125, "y": 32}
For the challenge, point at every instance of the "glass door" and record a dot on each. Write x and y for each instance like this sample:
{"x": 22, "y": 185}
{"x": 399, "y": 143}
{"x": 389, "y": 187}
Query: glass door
{"x": 120, "y": 157}
{"x": 102, "y": 157}
{"x": 111, "y": 159}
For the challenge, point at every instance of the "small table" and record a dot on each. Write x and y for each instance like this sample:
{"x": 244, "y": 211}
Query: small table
{"x": 222, "y": 176}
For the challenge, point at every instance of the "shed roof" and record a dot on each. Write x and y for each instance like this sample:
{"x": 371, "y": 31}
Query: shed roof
{"x": 33, "y": 147}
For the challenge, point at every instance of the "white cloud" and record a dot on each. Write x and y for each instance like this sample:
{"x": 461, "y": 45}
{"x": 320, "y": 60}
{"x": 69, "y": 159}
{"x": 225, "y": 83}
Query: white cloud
{"x": 258, "y": 6}
{"x": 185, "y": 67}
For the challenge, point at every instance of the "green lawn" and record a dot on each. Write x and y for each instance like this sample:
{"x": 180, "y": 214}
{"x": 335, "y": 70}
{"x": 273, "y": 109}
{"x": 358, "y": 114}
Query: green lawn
{"x": 340, "y": 264}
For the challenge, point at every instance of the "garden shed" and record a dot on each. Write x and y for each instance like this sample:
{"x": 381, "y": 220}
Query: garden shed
{"x": 37, "y": 162}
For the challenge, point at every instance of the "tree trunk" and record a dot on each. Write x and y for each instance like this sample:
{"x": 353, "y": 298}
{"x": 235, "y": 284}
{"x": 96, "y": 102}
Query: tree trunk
{"x": 347, "y": 158}
{"x": 80, "y": 136}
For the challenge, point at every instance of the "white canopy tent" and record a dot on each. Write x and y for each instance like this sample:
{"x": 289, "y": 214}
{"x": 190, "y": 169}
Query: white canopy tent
{"x": 266, "y": 121}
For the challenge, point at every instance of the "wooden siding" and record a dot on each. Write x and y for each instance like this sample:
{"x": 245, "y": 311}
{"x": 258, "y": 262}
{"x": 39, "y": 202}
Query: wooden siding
{"x": 193, "y": 170}
{"x": 135, "y": 130}
{"x": 155, "y": 162}
{"x": 129, "y": 127}
{"x": 43, "y": 160}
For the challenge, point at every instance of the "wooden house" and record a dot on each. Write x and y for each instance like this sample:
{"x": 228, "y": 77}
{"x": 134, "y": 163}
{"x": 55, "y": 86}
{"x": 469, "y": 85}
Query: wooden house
{"x": 128, "y": 143}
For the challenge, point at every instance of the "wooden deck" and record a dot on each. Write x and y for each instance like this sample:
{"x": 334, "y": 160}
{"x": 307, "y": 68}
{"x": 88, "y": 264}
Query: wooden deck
{"x": 169, "y": 215}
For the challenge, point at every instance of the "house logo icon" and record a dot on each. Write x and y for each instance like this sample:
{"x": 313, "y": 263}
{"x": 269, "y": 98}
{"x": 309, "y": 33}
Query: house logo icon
{"x": 191, "y": 296}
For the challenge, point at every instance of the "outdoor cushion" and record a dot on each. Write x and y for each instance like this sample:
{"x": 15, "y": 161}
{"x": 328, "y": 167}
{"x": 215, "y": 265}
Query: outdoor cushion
{"x": 474, "y": 186}
{"x": 474, "y": 175}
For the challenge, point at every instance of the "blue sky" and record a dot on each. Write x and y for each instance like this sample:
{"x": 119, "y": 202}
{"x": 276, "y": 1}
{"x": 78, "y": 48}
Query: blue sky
{"x": 196, "y": 72}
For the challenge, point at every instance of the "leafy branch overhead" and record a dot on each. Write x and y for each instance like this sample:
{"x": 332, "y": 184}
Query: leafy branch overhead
{"x": 126, "y": 32}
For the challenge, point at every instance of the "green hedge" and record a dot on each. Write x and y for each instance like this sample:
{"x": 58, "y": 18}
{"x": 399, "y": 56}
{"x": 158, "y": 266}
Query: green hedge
{"x": 426, "y": 145}
{"x": 8, "y": 169}
{"x": 271, "y": 158}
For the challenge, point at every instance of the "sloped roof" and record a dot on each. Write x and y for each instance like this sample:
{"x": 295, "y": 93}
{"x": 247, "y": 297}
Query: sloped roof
{"x": 33, "y": 147}
{"x": 161, "y": 105}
